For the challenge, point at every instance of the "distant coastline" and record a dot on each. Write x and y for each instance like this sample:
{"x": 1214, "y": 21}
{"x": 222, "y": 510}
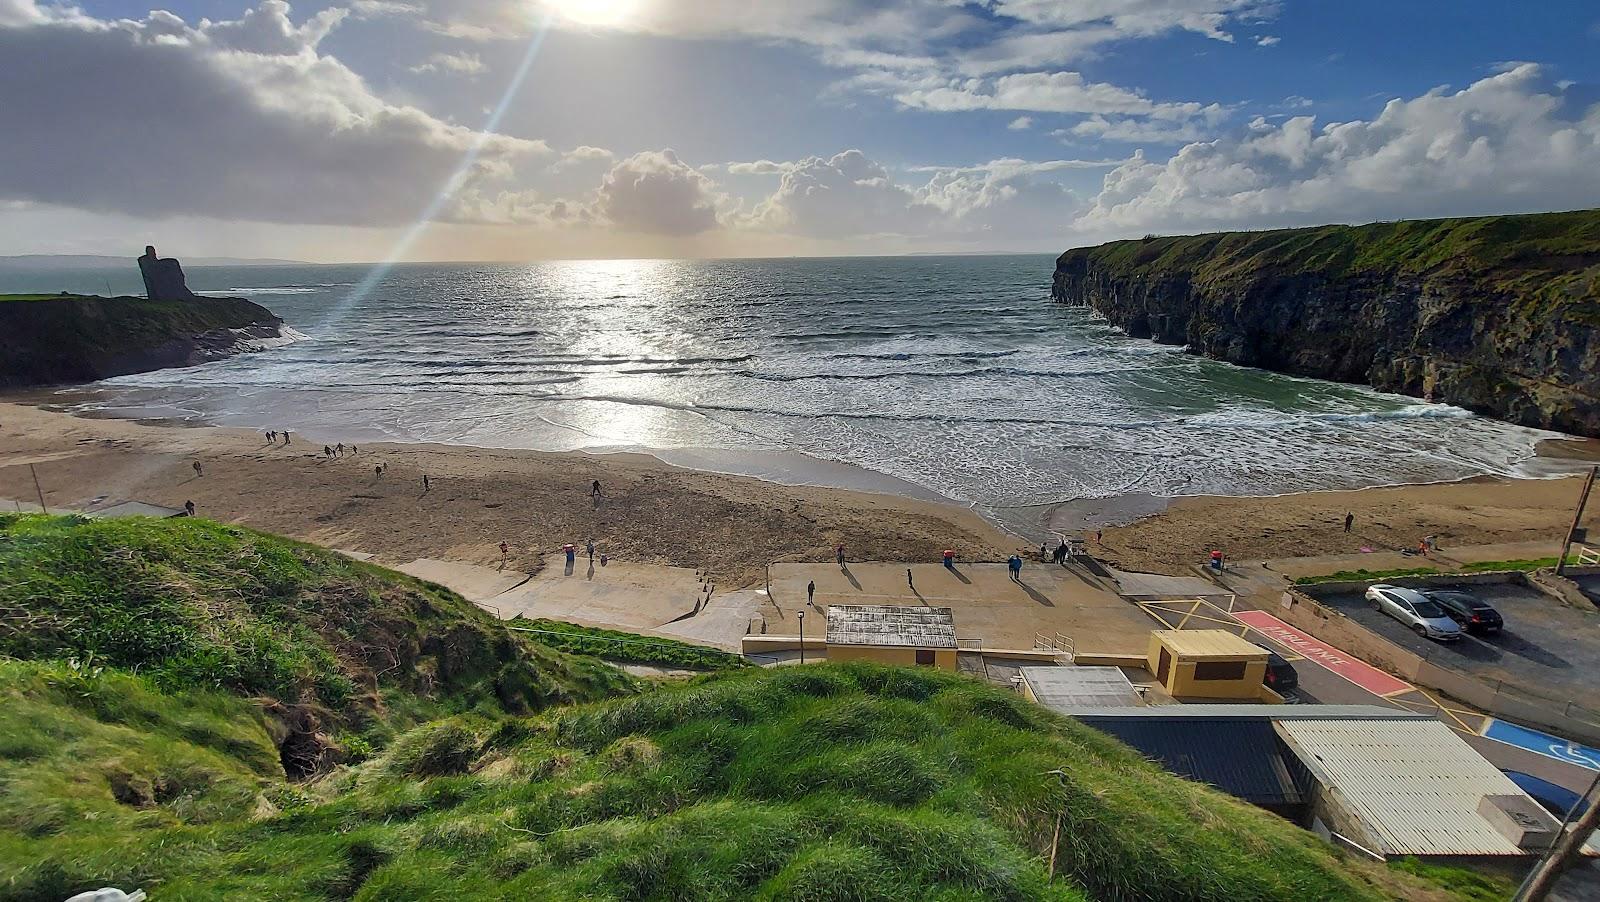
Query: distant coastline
{"x": 104, "y": 261}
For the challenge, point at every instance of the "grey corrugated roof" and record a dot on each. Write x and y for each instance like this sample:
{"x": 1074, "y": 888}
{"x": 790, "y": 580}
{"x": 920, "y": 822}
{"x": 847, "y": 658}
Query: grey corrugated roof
{"x": 886, "y": 624}
{"x": 1415, "y": 784}
{"x": 1065, "y": 688}
{"x": 1257, "y": 712}
{"x": 1243, "y": 758}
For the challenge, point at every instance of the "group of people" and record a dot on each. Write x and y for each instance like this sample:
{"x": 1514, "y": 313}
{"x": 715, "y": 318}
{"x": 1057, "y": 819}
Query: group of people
{"x": 273, "y": 435}
{"x": 337, "y": 450}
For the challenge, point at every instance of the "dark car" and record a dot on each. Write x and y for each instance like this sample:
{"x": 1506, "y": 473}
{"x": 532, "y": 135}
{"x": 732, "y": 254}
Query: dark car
{"x": 1474, "y": 616}
{"x": 1280, "y": 676}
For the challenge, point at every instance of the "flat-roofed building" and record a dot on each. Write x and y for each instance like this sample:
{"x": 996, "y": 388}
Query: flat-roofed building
{"x": 892, "y": 634}
{"x": 1063, "y": 689}
{"x": 1208, "y": 664}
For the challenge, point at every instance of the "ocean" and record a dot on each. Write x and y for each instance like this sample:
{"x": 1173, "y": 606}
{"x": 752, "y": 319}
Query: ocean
{"x": 942, "y": 376}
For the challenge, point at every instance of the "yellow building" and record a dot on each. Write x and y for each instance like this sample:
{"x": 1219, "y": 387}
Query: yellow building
{"x": 1207, "y": 664}
{"x": 892, "y": 634}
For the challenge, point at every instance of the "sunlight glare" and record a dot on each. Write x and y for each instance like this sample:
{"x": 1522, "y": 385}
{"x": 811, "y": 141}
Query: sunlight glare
{"x": 596, "y": 12}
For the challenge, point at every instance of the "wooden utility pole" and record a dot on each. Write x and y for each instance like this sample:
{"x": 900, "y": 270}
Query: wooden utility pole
{"x": 1577, "y": 518}
{"x": 1568, "y": 845}
{"x": 36, "y": 488}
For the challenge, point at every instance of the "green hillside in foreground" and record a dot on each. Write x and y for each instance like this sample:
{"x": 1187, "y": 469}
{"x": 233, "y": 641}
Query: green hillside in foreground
{"x": 817, "y": 782}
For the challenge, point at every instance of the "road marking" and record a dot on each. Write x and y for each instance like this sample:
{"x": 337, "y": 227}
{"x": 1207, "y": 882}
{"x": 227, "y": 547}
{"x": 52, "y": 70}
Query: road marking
{"x": 1543, "y": 743}
{"x": 1356, "y": 671}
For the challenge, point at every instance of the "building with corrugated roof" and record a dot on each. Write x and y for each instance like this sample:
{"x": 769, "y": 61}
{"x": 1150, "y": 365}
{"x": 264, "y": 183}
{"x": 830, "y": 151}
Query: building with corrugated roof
{"x": 1374, "y": 779}
{"x": 892, "y": 634}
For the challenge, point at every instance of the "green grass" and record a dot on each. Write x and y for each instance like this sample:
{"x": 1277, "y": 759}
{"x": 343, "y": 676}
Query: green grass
{"x": 158, "y": 679}
{"x": 1343, "y": 576}
{"x": 632, "y": 648}
{"x": 38, "y": 297}
{"x": 1523, "y": 564}
{"x": 823, "y": 782}
{"x": 192, "y": 604}
{"x": 1549, "y": 262}
{"x": 1469, "y": 885}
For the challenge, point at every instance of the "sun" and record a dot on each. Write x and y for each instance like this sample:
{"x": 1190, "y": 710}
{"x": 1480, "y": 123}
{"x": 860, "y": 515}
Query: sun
{"x": 595, "y": 12}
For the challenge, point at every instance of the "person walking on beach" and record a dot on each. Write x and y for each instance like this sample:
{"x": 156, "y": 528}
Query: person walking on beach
{"x": 594, "y": 490}
{"x": 589, "y": 547}
{"x": 811, "y": 593}
{"x": 1349, "y": 519}
{"x": 425, "y": 483}
{"x": 197, "y": 470}
{"x": 188, "y": 507}
{"x": 505, "y": 551}
{"x": 377, "y": 472}
{"x": 338, "y": 450}
{"x": 271, "y": 436}
{"x": 840, "y": 552}
{"x": 285, "y": 434}
{"x": 327, "y": 451}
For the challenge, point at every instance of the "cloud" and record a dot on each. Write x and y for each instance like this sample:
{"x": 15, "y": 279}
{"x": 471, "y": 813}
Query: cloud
{"x": 582, "y": 155}
{"x": 238, "y": 119}
{"x": 657, "y": 193}
{"x": 1043, "y": 92}
{"x": 1131, "y": 131}
{"x": 469, "y": 64}
{"x": 1511, "y": 141}
{"x": 1268, "y": 40}
{"x": 759, "y": 167}
{"x": 1021, "y": 123}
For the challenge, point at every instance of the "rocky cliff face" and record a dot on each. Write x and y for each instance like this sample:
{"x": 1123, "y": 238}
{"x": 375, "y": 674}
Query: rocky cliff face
{"x": 1500, "y": 315}
{"x": 74, "y": 338}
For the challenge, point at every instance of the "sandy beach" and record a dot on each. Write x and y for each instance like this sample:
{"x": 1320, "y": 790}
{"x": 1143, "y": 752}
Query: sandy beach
{"x": 649, "y": 512}
{"x": 652, "y": 512}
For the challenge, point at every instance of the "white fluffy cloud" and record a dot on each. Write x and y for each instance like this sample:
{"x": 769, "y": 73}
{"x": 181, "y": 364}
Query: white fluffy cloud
{"x": 469, "y": 64}
{"x": 1511, "y": 141}
{"x": 1021, "y": 123}
{"x": 1044, "y": 92}
{"x": 239, "y": 119}
{"x": 657, "y": 193}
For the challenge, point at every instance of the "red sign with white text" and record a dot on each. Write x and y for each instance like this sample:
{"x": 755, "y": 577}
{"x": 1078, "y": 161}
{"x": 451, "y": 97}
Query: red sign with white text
{"x": 1359, "y": 672}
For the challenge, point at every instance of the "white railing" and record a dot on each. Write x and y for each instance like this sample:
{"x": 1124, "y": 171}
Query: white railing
{"x": 1060, "y": 643}
{"x": 1587, "y": 557}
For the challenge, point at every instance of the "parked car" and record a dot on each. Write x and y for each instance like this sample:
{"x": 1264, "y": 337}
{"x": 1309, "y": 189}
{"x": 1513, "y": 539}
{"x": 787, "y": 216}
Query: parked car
{"x": 1473, "y": 615}
{"x": 1281, "y": 676}
{"x": 1425, "y": 617}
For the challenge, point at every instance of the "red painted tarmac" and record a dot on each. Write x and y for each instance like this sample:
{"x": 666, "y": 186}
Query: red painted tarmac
{"x": 1356, "y": 671}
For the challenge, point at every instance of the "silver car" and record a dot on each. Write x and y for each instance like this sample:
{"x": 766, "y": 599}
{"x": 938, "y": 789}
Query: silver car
{"x": 1422, "y": 614}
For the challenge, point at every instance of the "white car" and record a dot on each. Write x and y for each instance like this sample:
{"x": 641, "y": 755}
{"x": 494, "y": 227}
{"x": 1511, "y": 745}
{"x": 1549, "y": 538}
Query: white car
{"x": 1422, "y": 614}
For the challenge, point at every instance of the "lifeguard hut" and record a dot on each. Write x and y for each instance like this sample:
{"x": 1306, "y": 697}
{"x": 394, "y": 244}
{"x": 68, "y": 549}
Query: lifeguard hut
{"x": 1207, "y": 664}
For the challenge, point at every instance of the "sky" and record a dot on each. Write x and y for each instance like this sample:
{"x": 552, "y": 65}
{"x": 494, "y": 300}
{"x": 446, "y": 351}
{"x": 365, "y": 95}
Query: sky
{"x": 360, "y": 130}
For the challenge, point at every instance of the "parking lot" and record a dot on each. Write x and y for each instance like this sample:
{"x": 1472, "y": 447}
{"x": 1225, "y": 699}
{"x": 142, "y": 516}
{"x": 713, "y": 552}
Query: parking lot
{"x": 1547, "y": 649}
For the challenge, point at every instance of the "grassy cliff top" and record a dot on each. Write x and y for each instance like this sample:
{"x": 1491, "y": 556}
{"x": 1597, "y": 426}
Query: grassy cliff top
{"x": 822, "y": 782}
{"x": 191, "y": 603}
{"x": 1551, "y": 254}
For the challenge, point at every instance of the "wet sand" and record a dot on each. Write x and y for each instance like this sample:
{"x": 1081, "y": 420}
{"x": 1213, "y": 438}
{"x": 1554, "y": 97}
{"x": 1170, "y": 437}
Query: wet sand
{"x": 649, "y": 511}
{"x": 729, "y": 525}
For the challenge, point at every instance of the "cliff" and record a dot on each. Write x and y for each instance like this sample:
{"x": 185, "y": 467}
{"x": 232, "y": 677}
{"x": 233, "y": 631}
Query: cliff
{"x": 1498, "y": 314}
{"x": 52, "y": 339}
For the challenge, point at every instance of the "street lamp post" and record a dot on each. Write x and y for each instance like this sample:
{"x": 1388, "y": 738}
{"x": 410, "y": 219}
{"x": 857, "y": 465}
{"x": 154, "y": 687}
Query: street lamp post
{"x": 802, "y": 637}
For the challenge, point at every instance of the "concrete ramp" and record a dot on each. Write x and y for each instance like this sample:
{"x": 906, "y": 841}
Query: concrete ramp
{"x": 618, "y": 595}
{"x": 1154, "y": 585}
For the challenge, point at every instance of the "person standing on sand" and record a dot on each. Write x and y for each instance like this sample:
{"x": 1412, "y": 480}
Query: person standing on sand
{"x": 270, "y": 436}
{"x": 188, "y": 507}
{"x": 589, "y": 547}
{"x": 338, "y": 450}
{"x": 811, "y": 593}
{"x": 285, "y": 434}
{"x": 505, "y": 551}
{"x": 197, "y": 470}
{"x": 377, "y": 472}
{"x": 594, "y": 490}
{"x": 425, "y": 483}
{"x": 840, "y": 552}
{"x": 1349, "y": 519}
